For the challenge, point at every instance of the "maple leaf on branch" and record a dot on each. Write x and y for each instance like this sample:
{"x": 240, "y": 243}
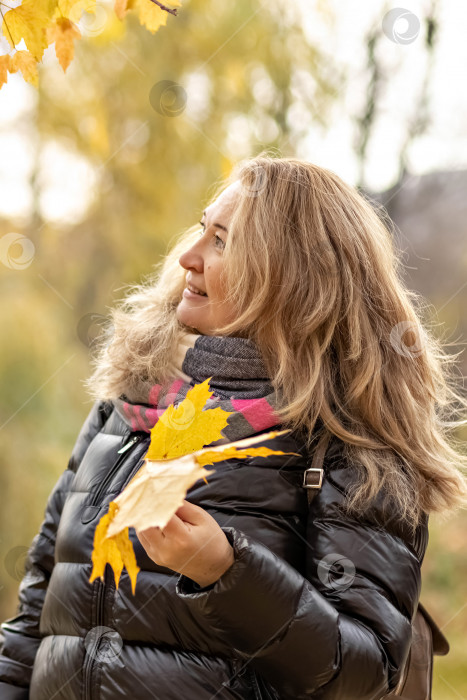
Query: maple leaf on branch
{"x": 62, "y": 32}
{"x": 40, "y": 23}
{"x": 175, "y": 460}
{"x": 21, "y": 60}
{"x": 173, "y": 11}
{"x": 28, "y": 21}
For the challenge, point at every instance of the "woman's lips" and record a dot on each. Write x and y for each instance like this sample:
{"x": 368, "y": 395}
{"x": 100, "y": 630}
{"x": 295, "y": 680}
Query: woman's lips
{"x": 193, "y": 295}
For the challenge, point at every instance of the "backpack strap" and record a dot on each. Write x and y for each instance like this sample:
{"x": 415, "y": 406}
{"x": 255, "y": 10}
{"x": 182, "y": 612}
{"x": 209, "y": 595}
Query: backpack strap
{"x": 312, "y": 479}
{"x": 313, "y": 476}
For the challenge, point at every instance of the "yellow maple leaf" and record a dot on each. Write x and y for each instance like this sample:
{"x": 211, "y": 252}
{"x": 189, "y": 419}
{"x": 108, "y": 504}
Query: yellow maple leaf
{"x": 27, "y": 64}
{"x": 156, "y": 495}
{"x": 229, "y": 452}
{"x": 4, "y": 68}
{"x": 187, "y": 428}
{"x": 158, "y": 489}
{"x": 150, "y": 15}
{"x": 50, "y": 7}
{"x": 28, "y": 21}
{"x": 73, "y": 9}
{"x": 63, "y": 31}
{"x": 116, "y": 551}
{"x": 121, "y": 7}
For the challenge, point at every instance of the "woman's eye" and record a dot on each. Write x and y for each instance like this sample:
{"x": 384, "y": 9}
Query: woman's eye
{"x": 218, "y": 238}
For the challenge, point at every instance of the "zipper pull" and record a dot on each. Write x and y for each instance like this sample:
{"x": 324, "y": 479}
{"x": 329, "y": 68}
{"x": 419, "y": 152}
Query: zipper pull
{"x": 130, "y": 442}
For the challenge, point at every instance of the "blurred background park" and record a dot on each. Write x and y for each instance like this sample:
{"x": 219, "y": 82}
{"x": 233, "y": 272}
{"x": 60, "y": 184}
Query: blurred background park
{"x": 102, "y": 165}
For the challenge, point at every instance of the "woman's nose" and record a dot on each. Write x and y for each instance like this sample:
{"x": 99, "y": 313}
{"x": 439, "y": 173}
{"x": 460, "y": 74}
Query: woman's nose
{"x": 192, "y": 258}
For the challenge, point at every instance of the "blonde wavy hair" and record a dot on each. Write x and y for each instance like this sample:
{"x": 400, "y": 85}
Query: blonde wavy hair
{"x": 320, "y": 291}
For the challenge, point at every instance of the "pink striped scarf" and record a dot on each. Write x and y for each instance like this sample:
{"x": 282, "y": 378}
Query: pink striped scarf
{"x": 238, "y": 382}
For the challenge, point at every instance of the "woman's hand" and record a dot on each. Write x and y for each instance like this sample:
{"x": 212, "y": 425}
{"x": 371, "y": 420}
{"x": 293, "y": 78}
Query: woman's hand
{"x": 192, "y": 543}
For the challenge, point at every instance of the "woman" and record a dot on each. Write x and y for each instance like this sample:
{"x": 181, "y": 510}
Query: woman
{"x": 300, "y": 318}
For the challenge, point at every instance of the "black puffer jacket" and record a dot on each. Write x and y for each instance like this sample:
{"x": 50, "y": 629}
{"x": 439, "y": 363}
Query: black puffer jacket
{"x": 280, "y": 623}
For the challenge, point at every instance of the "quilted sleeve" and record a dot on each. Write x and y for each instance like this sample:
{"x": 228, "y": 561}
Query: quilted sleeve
{"x": 343, "y": 632}
{"x": 19, "y": 635}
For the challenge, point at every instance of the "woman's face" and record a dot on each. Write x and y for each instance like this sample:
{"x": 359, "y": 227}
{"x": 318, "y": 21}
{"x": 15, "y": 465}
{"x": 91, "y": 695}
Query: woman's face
{"x": 203, "y": 263}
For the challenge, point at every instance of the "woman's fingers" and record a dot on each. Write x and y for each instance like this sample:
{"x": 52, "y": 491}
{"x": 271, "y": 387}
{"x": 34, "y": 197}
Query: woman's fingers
{"x": 150, "y": 535}
{"x": 176, "y": 527}
{"x": 184, "y": 519}
{"x": 191, "y": 513}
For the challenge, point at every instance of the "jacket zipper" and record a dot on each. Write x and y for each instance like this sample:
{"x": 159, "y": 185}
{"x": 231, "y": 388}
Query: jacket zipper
{"x": 110, "y": 474}
{"x": 254, "y": 684}
{"x": 92, "y": 650}
{"x": 133, "y": 471}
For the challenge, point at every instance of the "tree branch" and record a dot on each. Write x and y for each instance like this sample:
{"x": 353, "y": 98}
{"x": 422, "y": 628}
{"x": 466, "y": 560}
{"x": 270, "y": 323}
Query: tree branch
{"x": 164, "y": 7}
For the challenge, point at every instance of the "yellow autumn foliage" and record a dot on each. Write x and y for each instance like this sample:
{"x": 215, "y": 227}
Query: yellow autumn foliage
{"x": 117, "y": 551}
{"x": 40, "y": 23}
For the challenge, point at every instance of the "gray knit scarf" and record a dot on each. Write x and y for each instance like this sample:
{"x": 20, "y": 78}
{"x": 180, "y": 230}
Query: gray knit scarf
{"x": 239, "y": 384}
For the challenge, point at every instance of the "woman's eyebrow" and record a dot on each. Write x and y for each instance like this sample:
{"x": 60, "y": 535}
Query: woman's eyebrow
{"x": 217, "y": 225}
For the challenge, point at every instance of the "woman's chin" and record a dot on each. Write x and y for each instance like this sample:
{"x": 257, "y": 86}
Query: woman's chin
{"x": 189, "y": 318}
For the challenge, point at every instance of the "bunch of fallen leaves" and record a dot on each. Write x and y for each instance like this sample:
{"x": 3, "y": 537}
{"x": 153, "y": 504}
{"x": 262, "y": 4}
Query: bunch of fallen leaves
{"x": 175, "y": 460}
{"x": 44, "y": 22}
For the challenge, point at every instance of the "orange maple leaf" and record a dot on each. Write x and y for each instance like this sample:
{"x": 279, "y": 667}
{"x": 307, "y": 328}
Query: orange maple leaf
{"x": 27, "y": 64}
{"x": 4, "y": 68}
{"x": 20, "y": 60}
{"x": 63, "y": 31}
